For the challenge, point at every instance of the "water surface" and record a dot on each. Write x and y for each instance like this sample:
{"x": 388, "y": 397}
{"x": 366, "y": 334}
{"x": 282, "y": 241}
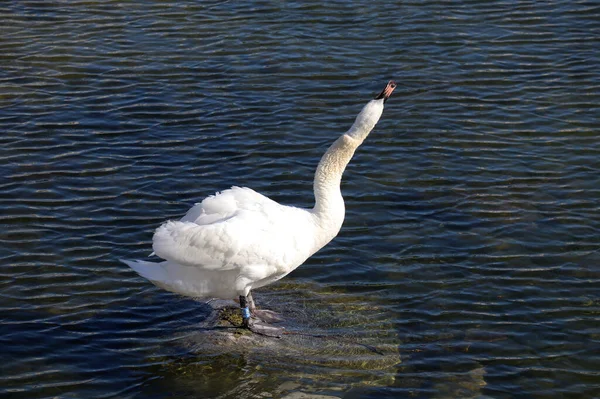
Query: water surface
{"x": 472, "y": 231}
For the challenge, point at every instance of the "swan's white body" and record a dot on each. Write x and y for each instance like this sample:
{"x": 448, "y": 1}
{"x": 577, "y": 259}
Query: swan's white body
{"x": 239, "y": 239}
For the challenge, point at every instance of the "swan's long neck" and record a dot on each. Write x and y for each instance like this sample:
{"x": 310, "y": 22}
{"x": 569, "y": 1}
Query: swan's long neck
{"x": 329, "y": 205}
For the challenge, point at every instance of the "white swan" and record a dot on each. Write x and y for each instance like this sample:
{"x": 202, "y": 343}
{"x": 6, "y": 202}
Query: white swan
{"x": 238, "y": 240}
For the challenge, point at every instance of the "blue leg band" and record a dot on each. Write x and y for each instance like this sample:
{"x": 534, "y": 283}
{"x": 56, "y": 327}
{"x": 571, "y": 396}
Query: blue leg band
{"x": 245, "y": 313}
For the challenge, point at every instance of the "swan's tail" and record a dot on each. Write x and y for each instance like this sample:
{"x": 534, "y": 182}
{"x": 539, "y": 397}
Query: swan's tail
{"x": 149, "y": 270}
{"x": 186, "y": 280}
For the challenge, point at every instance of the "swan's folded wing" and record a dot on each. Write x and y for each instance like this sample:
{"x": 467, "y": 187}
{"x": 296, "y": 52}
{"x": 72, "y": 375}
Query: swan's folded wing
{"x": 217, "y": 246}
{"x": 225, "y": 204}
{"x": 235, "y": 228}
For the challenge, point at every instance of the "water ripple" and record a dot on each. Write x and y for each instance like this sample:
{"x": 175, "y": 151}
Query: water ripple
{"x": 471, "y": 235}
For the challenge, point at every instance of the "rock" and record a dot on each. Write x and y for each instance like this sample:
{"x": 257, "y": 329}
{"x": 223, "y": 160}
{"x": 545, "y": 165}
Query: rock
{"x": 333, "y": 342}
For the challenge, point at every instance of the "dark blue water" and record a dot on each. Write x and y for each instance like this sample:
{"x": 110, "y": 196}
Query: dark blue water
{"x": 470, "y": 246}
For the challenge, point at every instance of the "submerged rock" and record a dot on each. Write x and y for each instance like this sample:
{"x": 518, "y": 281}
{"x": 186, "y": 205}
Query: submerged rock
{"x": 332, "y": 343}
{"x": 300, "y": 344}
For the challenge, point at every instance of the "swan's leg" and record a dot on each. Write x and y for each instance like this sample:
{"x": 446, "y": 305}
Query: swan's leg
{"x": 251, "y": 302}
{"x": 245, "y": 311}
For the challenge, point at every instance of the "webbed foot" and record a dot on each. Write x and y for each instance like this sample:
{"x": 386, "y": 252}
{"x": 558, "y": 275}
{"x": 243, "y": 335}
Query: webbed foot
{"x": 267, "y": 316}
{"x": 262, "y": 328}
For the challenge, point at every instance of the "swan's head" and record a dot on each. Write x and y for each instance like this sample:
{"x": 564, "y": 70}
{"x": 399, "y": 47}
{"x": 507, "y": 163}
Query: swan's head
{"x": 370, "y": 114}
{"x": 387, "y": 91}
